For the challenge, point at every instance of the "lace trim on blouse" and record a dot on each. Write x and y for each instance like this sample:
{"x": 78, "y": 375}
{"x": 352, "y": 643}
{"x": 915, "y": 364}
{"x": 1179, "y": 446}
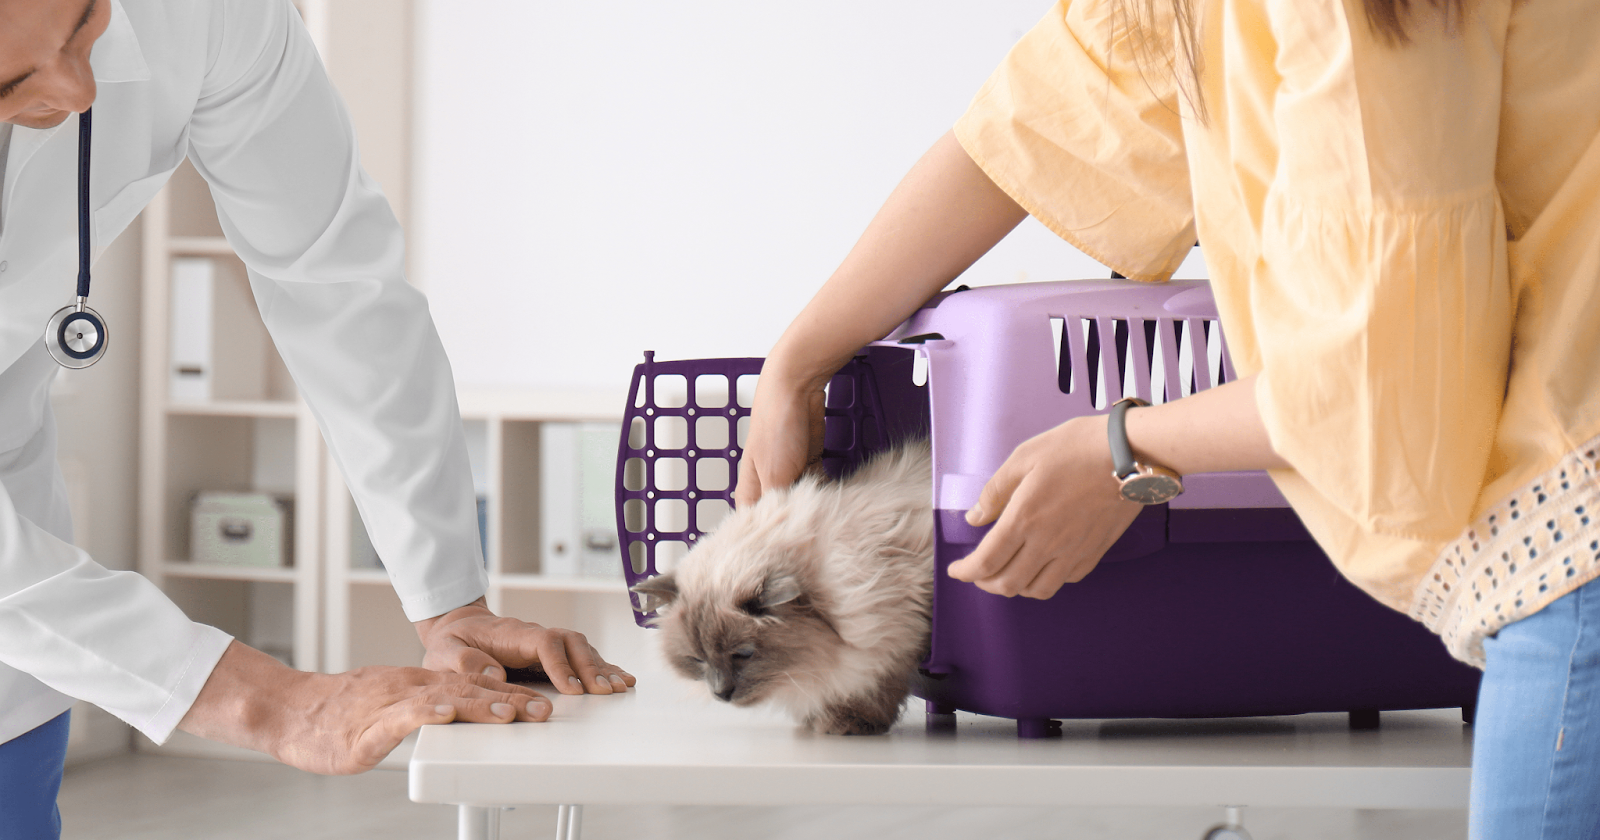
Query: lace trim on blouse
{"x": 1526, "y": 551}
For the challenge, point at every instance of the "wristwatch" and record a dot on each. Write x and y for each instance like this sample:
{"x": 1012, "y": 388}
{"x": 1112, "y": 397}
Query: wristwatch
{"x": 1146, "y": 484}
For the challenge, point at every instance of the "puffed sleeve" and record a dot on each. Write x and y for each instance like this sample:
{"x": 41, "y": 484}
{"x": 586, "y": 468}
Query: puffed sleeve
{"x": 326, "y": 262}
{"x": 1080, "y": 125}
{"x": 1381, "y": 299}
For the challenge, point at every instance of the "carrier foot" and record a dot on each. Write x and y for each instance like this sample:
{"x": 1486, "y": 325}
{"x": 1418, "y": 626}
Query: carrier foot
{"x": 1226, "y": 832}
{"x": 1232, "y": 828}
{"x": 1038, "y": 728}
{"x": 1364, "y": 719}
{"x": 1469, "y": 713}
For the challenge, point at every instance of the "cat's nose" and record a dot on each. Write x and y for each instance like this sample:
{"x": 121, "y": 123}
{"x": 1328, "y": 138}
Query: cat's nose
{"x": 724, "y": 694}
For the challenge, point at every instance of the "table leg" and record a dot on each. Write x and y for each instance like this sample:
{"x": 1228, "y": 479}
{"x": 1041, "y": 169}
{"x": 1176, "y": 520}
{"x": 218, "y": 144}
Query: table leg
{"x": 569, "y": 822}
{"x": 478, "y": 823}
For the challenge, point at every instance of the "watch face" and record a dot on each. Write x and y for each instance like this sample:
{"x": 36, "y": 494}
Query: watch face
{"x": 1150, "y": 489}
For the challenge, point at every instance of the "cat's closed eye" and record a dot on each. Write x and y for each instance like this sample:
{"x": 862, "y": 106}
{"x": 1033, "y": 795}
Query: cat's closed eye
{"x": 816, "y": 600}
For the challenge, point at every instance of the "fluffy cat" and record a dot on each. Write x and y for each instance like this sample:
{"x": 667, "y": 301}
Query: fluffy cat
{"x": 816, "y": 598}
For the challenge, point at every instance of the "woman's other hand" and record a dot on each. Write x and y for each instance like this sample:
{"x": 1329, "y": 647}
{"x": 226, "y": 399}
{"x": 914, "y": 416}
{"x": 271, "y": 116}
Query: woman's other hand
{"x": 1056, "y": 510}
{"x": 943, "y": 216}
{"x": 1056, "y": 506}
{"x": 785, "y": 436}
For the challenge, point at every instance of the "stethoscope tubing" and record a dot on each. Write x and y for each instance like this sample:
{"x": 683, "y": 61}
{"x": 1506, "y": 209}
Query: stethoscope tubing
{"x": 85, "y": 132}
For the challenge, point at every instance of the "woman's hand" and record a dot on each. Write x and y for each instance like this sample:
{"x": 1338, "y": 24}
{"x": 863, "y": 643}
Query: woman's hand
{"x": 785, "y": 437}
{"x": 942, "y": 217}
{"x": 1058, "y": 511}
{"x": 1058, "y": 505}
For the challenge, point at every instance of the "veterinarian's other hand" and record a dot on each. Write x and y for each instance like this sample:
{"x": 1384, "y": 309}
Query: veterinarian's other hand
{"x": 473, "y": 640}
{"x": 1056, "y": 510}
{"x": 341, "y": 723}
{"x": 785, "y": 435}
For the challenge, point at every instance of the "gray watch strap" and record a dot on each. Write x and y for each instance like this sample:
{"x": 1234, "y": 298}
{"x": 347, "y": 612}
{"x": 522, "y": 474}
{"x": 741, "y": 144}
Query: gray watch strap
{"x": 1122, "y": 463}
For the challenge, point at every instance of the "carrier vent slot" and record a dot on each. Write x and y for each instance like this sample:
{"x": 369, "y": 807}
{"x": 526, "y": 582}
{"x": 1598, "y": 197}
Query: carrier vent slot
{"x": 1105, "y": 359}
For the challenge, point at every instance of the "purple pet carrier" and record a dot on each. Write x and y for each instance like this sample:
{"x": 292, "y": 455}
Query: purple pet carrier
{"x": 1215, "y": 605}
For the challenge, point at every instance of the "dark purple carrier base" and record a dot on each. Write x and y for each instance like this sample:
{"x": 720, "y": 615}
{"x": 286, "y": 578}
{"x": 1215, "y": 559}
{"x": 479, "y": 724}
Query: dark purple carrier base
{"x": 1192, "y": 630}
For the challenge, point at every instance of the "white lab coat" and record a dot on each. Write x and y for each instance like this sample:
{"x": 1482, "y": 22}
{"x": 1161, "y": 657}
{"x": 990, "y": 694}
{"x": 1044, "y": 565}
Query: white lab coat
{"x": 237, "y": 86}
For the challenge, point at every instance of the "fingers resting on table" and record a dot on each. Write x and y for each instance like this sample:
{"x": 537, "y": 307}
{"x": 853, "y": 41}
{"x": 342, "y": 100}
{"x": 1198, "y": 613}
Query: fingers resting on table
{"x": 473, "y": 640}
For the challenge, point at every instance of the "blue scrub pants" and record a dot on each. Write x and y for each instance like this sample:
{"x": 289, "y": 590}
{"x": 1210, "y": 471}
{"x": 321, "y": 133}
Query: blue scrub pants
{"x": 30, "y": 778}
{"x": 1536, "y": 739}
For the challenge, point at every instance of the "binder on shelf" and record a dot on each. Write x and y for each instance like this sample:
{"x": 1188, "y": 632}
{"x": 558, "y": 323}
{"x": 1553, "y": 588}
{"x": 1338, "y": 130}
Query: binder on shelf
{"x": 364, "y": 556}
{"x": 483, "y": 527}
{"x": 576, "y": 518}
{"x": 190, "y": 370}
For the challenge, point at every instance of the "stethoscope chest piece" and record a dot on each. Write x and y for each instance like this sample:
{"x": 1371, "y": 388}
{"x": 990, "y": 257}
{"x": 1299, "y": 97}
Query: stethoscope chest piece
{"x": 76, "y": 336}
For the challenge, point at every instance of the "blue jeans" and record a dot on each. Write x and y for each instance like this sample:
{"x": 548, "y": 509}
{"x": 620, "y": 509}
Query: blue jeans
{"x": 30, "y": 778}
{"x": 1536, "y": 739}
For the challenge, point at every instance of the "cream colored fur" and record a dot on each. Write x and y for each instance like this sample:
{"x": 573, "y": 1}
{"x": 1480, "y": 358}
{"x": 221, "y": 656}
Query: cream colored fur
{"x": 861, "y": 552}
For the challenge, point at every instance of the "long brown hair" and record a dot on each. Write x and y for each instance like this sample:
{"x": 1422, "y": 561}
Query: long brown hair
{"x": 1386, "y": 18}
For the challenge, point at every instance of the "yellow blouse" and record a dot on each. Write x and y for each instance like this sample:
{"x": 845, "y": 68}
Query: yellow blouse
{"x": 1403, "y": 240}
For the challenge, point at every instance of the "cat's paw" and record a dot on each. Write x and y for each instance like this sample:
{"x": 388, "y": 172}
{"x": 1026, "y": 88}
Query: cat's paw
{"x": 848, "y": 721}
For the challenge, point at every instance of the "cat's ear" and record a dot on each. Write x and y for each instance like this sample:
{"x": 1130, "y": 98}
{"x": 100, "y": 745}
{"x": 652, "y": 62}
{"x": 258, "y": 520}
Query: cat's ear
{"x": 779, "y": 588}
{"x": 656, "y": 591}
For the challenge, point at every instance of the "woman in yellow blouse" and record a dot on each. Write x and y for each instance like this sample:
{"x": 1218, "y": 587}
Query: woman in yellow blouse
{"x": 1400, "y": 211}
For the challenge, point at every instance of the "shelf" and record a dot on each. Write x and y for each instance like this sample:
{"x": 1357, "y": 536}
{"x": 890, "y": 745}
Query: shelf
{"x": 212, "y": 571}
{"x": 238, "y": 408}
{"x": 479, "y": 403}
{"x": 215, "y": 246}
{"x": 475, "y": 405}
{"x": 550, "y": 583}
{"x": 542, "y": 583}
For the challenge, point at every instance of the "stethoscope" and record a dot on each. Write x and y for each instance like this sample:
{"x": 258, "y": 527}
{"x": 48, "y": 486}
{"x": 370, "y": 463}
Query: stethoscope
{"x": 76, "y": 334}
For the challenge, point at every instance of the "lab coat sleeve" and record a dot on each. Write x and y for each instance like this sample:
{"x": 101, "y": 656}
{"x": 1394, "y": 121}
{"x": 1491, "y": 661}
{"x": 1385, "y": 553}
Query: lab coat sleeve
{"x": 108, "y": 637}
{"x": 326, "y": 262}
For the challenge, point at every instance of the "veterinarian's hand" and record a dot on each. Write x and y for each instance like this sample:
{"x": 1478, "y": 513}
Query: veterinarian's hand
{"x": 785, "y": 435}
{"x": 341, "y": 723}
{"x": 1058, "y": 510}
{"x": 473, "y": 640}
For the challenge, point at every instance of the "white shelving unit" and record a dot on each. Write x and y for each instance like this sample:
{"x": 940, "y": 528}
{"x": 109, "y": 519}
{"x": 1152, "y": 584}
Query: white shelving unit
{"x": 254, "y": 434}
{"x": 365, "y": 625}
{"x": 235, "y": 442}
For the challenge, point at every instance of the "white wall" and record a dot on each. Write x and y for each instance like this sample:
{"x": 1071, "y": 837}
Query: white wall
{"x": 600, "y": 178}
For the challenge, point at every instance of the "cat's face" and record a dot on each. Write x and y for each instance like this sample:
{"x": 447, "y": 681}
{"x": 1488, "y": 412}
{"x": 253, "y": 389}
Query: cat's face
{"x": 745, "y": 642}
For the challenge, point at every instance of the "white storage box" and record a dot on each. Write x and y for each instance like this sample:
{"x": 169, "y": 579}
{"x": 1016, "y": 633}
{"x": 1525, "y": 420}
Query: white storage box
{"x": 241, "y": 529}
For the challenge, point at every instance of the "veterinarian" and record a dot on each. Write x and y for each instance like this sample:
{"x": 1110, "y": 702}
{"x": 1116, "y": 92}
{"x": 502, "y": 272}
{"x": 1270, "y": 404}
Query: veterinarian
{"x": 237, "y": 86}
{"x": 1400, "y": 210}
